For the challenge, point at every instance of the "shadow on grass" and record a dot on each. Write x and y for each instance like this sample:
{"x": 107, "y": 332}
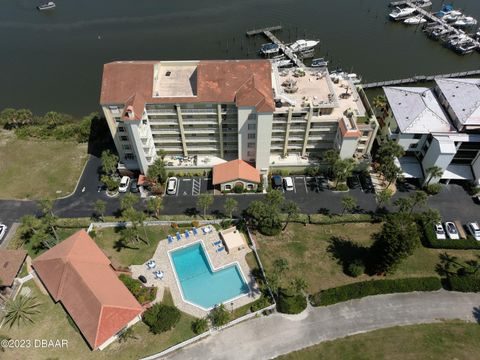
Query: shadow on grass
{"x": 346, "y": 252}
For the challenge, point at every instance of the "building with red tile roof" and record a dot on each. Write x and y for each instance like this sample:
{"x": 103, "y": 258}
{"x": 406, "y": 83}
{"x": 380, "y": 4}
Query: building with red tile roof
{"x": 228, "y": 174}
{"x": 11, "y": 262}
{"x": 78, "y": 274}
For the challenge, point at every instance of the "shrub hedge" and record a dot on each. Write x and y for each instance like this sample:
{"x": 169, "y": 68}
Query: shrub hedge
{"x": 430, "y": 240}
{"x": 142, "y": 294}
{"x": 468, "y": 283}
{"x": 160, "y": 318}
{"x": 374, "y": 287}
{"x": 289, "y": 303}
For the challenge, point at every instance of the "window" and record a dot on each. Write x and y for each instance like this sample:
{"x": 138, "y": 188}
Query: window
{"x": 126, "y": 147}
{"x": 251, "y": 136}
{"x": 144, "y": 122}
{"x": 228, "y": 187}
{"x": 250, "y": 153}
{"x": 417, "y": 136}
{"x": 252, "y": 126}
{"x": 124, "y": 138}
{"x": 121, "y": 129}
{"x": 251, "y": 145}
{"x": 129, "y": 157}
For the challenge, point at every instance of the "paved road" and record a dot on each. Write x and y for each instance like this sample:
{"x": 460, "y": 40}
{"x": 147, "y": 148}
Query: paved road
{"x": 268, "y": 337}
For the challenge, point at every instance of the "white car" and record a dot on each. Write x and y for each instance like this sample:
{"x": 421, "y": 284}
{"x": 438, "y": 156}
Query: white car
{"x": 474, "y": 230}
{"x": 124, "y": 184}
{"x": 452, "y": 231}
{"x": 3, "y": 231}
{"x": 172, "y": 186}
{"x": 439, "y": 231}
{"x": 288, "y": 183}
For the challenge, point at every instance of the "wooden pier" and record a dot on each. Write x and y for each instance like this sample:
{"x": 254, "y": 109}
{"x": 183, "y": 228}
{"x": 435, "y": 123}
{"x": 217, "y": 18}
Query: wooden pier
{"x": 268, "y": 33}
{"x": 420, "y": 78}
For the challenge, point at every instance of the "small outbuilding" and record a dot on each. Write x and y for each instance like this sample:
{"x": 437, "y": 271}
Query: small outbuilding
{"x": 232, "y": 239}
{"x": 236, "y": 173}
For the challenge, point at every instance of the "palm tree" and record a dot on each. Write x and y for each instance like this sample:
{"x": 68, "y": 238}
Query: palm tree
{"x": 204, "y": 201}
{"x": 230, "y": 206}
{"x": 155, "y": 205}
{"x": 384, "y": 196}
{"x": 349, "y": 203}
{"x": 433, "y": 172}
{"x": 22, "y": 309}
{"x": 100, "y": 206}
{"x": 379, "y": 102}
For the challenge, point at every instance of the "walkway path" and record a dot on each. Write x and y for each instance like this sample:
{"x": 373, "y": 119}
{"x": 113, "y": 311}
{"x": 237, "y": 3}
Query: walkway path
{"x": 268, "y": 337}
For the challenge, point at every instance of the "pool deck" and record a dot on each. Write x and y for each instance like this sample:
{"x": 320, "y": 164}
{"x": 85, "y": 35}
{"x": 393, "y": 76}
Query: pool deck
{"x": 218, "y": 259}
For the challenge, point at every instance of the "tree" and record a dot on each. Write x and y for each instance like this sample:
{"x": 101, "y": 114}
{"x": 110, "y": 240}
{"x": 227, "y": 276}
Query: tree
{"x": 384, "y": 197}
{"x": 204, "y": 202}
{"x": 156, "y": 171}
{"x": 110, "y": 183}
{"x": 109, "y": 162}
{"x": 230, "y": 206}
{"x": 128, "y": 201}
{"x": 342, "y": 169}
{"x": 433, "y": 172}
{"x": 160, "y": 318}
{"x": 396, "y": 241}
{"x": 48, "y": 219}
{"x": 408, "y": 204}
{"x": 349, "y": 203}
{"x": 390, "y": 171}
{"x": 46, "y": 206}
{"x": 219, "y": 316}
{"x": 389, "y": 150}
{"x": 155, "y": 205}
{"x": 274, "y": 198}
{"x": 137, "y": 219}
{"x": 299, "y": 285}
{"x": 379, "y": 102}
{"x": 331, "y": 157}
{"x": 29, "y": 225}
{"x": 292, "y": 210}
{"x": 200, "y": 325}
{"x": 431, "y": 216}
{"x": 22, "y": 309}
{"x": 264, "y": 217}
{"x": 100, "y": 207}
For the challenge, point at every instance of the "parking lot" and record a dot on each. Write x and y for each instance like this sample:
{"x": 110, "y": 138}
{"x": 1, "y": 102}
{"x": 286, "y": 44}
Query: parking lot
{"x": 193, "y": 186}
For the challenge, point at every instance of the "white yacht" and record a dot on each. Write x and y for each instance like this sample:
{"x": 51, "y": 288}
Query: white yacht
{"x": 320, "y": 62}
{"x": 269, "y": 48}
{"x": 415, "y": 20}
{"x": 452, "y": 16}
{"x": 399, "y": 13}
{"x": 47, "y": 6}
{"x": 465, "y": 21}
{"x": 303, "y": 45}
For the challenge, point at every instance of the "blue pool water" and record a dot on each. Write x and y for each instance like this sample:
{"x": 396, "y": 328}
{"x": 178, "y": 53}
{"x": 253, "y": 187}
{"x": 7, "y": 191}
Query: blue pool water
{"x": 200, "y": 284}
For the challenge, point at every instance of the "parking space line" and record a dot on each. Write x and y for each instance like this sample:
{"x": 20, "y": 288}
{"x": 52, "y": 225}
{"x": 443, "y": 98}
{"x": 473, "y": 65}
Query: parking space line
{"x": 305, "y": 182}
{"x": 294, "y": 187}
{"x": 196, "y": 186}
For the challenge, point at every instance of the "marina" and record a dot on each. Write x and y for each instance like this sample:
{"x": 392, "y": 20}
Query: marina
{"x": 448, "y": 25}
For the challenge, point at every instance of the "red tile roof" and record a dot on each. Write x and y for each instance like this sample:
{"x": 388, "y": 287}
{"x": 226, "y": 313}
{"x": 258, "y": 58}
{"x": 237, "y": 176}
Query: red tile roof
{"x": 10, "y": 263}
{"x": 244, "y": 82}
{"x": 78, "y": 274}
{"x": 235, "y": 170}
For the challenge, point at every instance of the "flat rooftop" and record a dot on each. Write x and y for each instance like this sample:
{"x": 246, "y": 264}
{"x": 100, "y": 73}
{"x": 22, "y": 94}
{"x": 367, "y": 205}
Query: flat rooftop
{"x": 173, "y": 79}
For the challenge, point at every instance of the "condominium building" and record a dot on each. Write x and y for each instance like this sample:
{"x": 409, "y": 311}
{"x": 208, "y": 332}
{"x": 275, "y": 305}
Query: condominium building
{"x": 436, "y": 127}
{"x": 202, "y": 113}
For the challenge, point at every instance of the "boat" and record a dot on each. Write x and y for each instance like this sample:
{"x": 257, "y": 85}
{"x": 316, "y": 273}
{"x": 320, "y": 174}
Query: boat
{"x": 446, "y": 9}
{"x": 466, "y": 47}
{"x": 419, "y": 3}
{"x": 47, "y": 6}
{"x": 354, "y": 78}
{"x": 452, "y": 16}
{"x": 400, "y": 14}
{"x": 303, "y": 45}
{"x": 270, "y": 48}
{"x": 319, "y": 62}
{"x": 283, "y": 63}
{"x": 415, "y": 20}
{"x": 438, "y": 32}
{"x": 465, "y": 21}
{"x": 456, "y": 40}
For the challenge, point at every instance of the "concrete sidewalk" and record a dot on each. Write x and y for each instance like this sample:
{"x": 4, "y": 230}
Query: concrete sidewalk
{"x": 268, "y": 337}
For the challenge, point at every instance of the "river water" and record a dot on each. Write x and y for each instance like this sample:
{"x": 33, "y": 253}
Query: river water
{"x": 53, "y": 60}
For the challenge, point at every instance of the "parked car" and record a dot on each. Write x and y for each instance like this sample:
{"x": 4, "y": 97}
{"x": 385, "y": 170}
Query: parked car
{"x": 134, "y": 186}
{"x": 3, "y": 231}
{"x": 277, "y": 182}
{"x": 124, "y": 184}
{"x": 353, "y": 182}
{"x": 367, "y": 184}
{"x": 452, "y": 231}
{"x": 439, "y": 231}
{"x": 474, "y": 230}
{"x": 172, "y": 186}
{"x": 288, "y": 183}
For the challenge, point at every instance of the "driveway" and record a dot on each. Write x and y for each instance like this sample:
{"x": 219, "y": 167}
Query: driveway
{"x": 269, "y": 337}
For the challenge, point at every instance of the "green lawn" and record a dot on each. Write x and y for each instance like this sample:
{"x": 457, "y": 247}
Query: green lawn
{"x": 39, "y": 169}
{"x": 305, "y": 248}
{"x": 449, "y": 340}
{"x": 52, "y": 324}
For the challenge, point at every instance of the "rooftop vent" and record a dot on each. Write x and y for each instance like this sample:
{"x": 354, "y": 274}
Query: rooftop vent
{"x": 168, "y": 73}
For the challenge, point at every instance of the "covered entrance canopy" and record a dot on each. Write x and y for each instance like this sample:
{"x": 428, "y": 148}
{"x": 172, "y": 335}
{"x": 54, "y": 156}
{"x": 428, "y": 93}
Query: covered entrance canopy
{"x": 410, "y": 166}
{"x": 458, "y": 172}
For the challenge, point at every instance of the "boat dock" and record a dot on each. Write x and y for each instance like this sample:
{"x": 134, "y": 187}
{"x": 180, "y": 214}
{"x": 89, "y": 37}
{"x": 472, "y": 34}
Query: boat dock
{"x": 268, "y": 33}
{"x": 420, "y": 78}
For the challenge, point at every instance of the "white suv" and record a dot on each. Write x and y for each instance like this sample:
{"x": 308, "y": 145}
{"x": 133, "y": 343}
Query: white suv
{"x": 124, "y": 183}
{"x": 288, "y": 183}
{"x": 474, "y": 230}
{"x": 172, "y": 186}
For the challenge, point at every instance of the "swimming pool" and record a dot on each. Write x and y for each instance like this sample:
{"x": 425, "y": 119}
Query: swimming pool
{"x": 200, "y": 284}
